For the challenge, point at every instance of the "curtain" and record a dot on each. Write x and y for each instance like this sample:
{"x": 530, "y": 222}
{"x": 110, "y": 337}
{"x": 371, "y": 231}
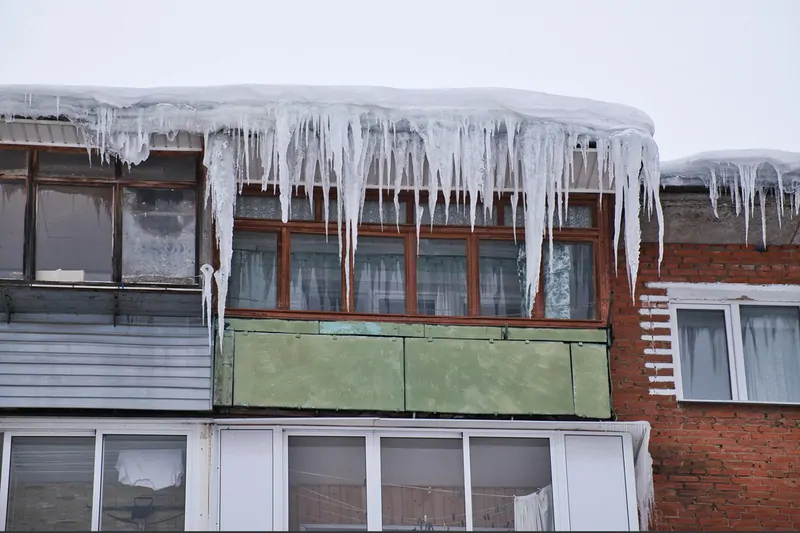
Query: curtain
{"x": 502, "y": 284}
{"x": 380, "y": 276}
{"x": 315, "y": 277}
{"x": 442, "y": 277}
{"x": 534, "y": 512}
{"x": 703, "y": 346}
{"x": 253, "y": 271}
{"x": 569, "y": 288}
{"x": 771, "y": 338}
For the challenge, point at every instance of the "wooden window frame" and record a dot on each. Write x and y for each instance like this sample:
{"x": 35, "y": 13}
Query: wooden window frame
{"x": 117, "y": 183}
{"x": 597, "y": 235}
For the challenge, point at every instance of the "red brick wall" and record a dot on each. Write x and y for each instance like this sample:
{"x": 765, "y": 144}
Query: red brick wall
{"x": 715, "y": 466}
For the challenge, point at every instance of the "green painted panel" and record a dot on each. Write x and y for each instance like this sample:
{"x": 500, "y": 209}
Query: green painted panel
{"x": 381, "y": 329}
{"x": 463, "y": 332}
{"x": 590, "y": 380}
{"x": 223, "y": 370}
{"x": 484, "y": 377}
{"x": 270, "y": 325}
{"x": 318, "y": 371}
{"x": 557, "y": 334}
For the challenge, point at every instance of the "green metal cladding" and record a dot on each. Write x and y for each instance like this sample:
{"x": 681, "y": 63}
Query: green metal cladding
{"x": 413, "y": 367}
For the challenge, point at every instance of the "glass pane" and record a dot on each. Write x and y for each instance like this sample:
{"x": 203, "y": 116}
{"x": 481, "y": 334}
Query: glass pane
{"x": 380, "y": 275}
{"x": 511, "y": 474}
{"x": 13, "y": 162}
{"x": 269, "y": 208}
{"x": 162, "y": 168}
{"x": 371, "y": 213}
{"x": 73, "y": 234}
{"x": 422, "y": 483}
{"x": 73, "y": 165}
{"x": 50, "y": 484}
{"x": 254, "y": 271}
{"x": 442, "y": 277}
{"x": 703, "y": 346}
{"x": 457, "y": 215}
{"x": 158, "y": 236}
{"x": 771, "y": 338}
{"x": 12, "y": 228}
{"x": 327, "y": 482}
{"x": 502, "y": 276}
{"x": 569, "y": 288}
{"x": 143, "y": 485}
{"x": 578, "y": 216}
{"x": 316, "y": 275}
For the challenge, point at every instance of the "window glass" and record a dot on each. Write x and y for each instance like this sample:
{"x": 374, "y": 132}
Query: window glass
{"x": 73, "y": 165}
{"x": 502, "y": 278}
{"x": 269, "y": 208}
{"x": 74, "y": 234}
{"x": 12, "y": 228}
{"x": 254, "y": 271}
{"x": 569, "y": 286}
{"x": 50, "y": 484}
{"x": 703, "y": 347}
{"x": 13, "y": 163}
{"x": 380, "y": 275}
{"x": 162, "y": 168}
{"x": 158, "y": 235}
{"x": 327, "y": 482}
{"x": 315, "y": 273}
{"x": 771, "y": 342}
{"x": 505, "y": 468}
{"x": 422, "y": 483}
{"x": 144, "y": 485}
{"x": 442, "y": 277}
{"x": 578, "y": 216}
{"x": 457, "y": 214}
{"x": 371, "y": 213}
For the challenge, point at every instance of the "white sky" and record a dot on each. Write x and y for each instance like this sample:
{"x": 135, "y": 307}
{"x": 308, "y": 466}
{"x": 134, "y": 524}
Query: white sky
{"x": 713, "y": 74}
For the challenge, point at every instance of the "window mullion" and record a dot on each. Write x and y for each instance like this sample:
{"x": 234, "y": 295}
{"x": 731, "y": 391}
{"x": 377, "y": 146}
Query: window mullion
{"x": 5, "y": 472}
{"x": 411, "y": 273}
{"x": 473, "y": 281}
{"x": 739, "y": 380}
{"x": 374, "y": 490}
{"x": 97, "y": 483}
{"x": 284, "y": 269}
{"x": 467, "y": 483}
{"x": 29, "y": 248}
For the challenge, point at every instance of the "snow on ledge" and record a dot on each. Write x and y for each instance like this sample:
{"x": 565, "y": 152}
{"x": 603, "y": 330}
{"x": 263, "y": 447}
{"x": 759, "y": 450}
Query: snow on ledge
{"x": 471, "y": 142}
{"x": 745, "y": 174}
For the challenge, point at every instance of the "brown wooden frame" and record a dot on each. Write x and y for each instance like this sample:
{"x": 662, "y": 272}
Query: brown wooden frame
{"x": 598, "y": 236}
{"x": 116, "y": 183}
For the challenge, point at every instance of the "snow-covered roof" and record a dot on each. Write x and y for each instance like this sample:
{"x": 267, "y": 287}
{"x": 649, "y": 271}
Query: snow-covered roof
{"x": 729, "y": 165}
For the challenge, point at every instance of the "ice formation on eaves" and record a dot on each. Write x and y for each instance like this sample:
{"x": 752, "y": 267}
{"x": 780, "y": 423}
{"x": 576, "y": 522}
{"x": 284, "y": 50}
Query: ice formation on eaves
{"x": 472, "y": 142}
{"x": 745, "y": 174}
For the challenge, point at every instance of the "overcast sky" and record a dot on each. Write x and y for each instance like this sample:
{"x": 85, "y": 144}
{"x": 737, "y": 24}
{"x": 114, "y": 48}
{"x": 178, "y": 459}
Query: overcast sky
{"x": 713, "y": 74}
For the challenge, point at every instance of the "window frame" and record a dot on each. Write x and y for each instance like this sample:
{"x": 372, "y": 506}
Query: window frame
{"x": 196, "y": 457}
{"x": 117, "y": 183}
{"x": 598, "y": 236}
{"x": 733, "y": 327}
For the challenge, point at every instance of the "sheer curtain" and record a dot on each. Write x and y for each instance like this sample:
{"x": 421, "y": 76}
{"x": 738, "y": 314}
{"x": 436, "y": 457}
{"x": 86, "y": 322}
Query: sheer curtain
{"x": 569, "y": 288}
{"x": 502, "y": 286}
{"x": 380, "y": 276}
{"x": 253, "y": 271}
{"x": 771, "y": 339}
{"x": 442, "y": 277}
{"x": 703, "y": 346}
{"x": 315, "y": 282}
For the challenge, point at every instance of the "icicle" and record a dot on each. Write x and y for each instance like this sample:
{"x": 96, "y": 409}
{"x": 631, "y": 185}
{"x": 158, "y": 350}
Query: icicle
{"x": 207, "y": 271}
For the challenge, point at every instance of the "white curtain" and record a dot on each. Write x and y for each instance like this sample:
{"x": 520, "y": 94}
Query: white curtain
{"x": 502, "y": 284}
{"x": 771, "y": 337}
{"x": 253, "y": 272}
{"x": 442, "y": 277}
{"x": 315, "y": 282}
{"x": 703, "y": 346}
{"x": 534, "y": 512}
{"x": 380, "y": 281}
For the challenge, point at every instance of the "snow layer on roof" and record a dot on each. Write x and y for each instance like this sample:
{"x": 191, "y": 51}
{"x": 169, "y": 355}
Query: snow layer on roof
{"x": 471, "y": 142}
{"x": 747, "y": 175}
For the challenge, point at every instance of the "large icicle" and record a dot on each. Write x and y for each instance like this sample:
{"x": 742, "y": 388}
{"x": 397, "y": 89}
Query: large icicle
{"x": 471, "y": 143}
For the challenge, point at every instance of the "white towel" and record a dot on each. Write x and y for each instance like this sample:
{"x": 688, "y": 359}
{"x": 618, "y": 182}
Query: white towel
{"x": 155, "y": 469}
{"x": 534, "y": 512}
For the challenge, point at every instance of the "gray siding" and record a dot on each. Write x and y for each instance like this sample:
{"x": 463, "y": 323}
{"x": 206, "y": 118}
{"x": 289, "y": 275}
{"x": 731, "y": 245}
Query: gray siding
{"x": 62, "y": 362}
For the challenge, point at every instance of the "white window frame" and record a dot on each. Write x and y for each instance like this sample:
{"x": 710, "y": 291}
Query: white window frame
{"x": 733, "y": 328}
{"x": 372, "y": 436}
{"x": 195, "y": 475}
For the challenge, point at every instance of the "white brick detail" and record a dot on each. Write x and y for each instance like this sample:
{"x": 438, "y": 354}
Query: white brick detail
{"x": 660, "y": 366}
{"x": 661, "y": 379}
{"x": 663, "y": 392}
{"x": 657, "y": 338}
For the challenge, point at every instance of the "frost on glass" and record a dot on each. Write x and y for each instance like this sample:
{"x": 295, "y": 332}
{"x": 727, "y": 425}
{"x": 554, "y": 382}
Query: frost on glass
{"x": 578, "y": 216}
{"x": 158, "y": 236}
{"x": 458, "y": 215}
{"x": 569, "y": 281}
{"x": 73, "y": 165}
{"x": 12, "y": 228}
{"x": 13, "y": 163}
{"x": 162, "y": 168}
{"x": 269, "y": 208}
{"x": 375, "y": 212}
{"x": 254, "y": 271}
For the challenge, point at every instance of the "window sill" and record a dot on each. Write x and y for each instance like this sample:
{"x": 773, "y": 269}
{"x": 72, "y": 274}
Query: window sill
{"x": 412, "y": 319}
{"x": 739, "y": 402}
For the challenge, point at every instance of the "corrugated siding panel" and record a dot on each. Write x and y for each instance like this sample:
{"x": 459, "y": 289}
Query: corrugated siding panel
{"x": 52, "y": 133}
{"x": 68, "y": 365}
